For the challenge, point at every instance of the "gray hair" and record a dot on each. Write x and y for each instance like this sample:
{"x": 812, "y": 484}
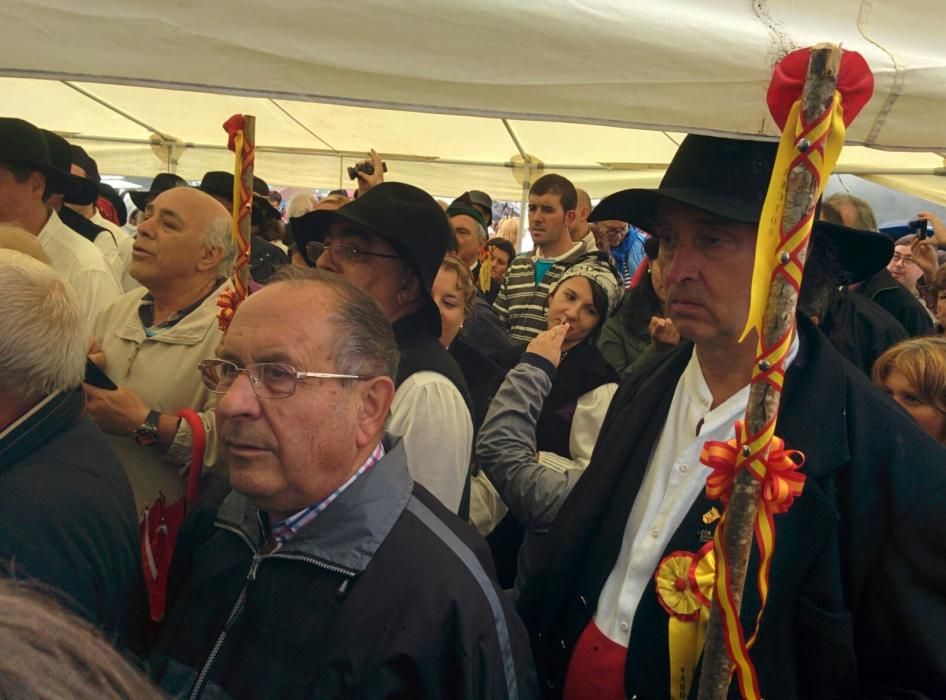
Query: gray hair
{"x": 364, "y": 339}
{"x": 301, "y": 203}
{"x": 864, "y": 218}
{"x": 42, "y": 329}
{"x": 218, "y": 234}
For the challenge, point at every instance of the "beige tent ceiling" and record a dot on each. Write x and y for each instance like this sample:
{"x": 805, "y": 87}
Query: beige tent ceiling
{"x": 451, "y": 93}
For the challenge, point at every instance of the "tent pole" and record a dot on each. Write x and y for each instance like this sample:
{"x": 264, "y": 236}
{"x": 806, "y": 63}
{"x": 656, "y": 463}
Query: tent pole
{"x": 523, "y": 207}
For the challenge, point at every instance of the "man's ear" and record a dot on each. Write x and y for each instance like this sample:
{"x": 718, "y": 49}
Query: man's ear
{"x": 374, "y": 407}
{"x": 210, "y": 257}
{"x": 570, "y": 217}
{"x": 410, "y": 290}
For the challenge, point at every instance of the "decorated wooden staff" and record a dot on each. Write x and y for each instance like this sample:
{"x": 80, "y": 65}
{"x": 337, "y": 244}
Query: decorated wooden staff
{"x": 242, "y": 141}
{"x": 813, "y": 96}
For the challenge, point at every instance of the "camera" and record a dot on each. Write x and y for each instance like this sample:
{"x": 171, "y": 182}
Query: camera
{"x": 366, "y": 168}
{"x": 921, "y": 227}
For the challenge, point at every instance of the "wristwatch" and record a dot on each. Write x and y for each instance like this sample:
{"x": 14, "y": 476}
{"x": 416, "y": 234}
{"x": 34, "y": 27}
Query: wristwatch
{"x": 147, "y": 433}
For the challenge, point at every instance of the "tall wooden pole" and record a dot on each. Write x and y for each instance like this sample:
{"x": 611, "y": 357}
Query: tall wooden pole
{"x": 764, "y": 398}
{"x": 245, "y": 214}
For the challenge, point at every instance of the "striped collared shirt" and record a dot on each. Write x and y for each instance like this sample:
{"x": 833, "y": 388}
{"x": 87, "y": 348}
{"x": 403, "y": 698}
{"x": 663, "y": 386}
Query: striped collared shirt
{"x": 283, "y": 531}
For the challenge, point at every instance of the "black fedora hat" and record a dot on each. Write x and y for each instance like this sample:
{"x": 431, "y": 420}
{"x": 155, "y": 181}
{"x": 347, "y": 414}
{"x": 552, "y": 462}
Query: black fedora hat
{"x": 219, "y": 183}
{"x": 78, "y": 190}
{"x": 730, "y": 178}
{"x": 405, "y": 216}
{"x": 727, "y": 177}
{"x": 21, "y": 143}
{"x": 855, "y": 254}
{"x": 161, "y": 183}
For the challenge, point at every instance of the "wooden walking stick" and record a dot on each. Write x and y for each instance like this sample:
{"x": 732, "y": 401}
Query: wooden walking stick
{"x": 754, "y": 475}
{"x": 242, "y": 141}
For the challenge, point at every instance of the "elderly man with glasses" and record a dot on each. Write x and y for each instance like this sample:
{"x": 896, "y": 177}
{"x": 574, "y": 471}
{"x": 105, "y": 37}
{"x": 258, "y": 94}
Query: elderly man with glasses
{"x": 326, "y": 571}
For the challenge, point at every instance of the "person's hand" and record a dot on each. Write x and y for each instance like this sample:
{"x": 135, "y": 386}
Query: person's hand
{"x": 939, "y": 228}
{"x": 366, "y": 181}
{"x": 96, "y": 354}
{"x": 924, "y": 255}
{"x": 548, "y": 344}
{"x": 116, "y": 412}
{"x": 663, "y": 331}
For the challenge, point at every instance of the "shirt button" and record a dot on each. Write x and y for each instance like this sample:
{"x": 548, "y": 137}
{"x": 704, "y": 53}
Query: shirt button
{"x": 624, "y": 627}
{"x": 655, "y": 533}
{"x": 683, "y": 468}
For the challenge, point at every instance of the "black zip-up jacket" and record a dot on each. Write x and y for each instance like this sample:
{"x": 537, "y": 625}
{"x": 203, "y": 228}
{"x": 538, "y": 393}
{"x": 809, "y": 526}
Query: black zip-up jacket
{"x": 384, "y": 594}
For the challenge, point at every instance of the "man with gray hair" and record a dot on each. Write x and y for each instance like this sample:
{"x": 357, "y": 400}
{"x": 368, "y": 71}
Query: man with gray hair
{"x": 326, "y": 570}
{"x": 149, "y": 341}
{"x": 67, "y": 516}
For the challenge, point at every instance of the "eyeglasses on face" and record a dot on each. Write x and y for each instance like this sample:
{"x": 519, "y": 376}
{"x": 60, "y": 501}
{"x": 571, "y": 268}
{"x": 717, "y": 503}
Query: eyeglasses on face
{"x": 269, "y": 380}
{"x": 905, "y": 259}
{"x": 615, "y": 231}
{"x": 345, "y": 251}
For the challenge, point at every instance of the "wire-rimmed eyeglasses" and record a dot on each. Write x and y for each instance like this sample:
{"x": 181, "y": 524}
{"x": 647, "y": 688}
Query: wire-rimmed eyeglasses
{"x": 269, "y": 380}
{"x": 345, "y": 251}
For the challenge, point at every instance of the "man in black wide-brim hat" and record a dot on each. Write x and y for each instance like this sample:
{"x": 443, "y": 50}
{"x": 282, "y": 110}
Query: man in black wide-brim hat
{"x": 856, "y": 606}
{"x": 390, "y": 242}
{"x": 27, "y": 180}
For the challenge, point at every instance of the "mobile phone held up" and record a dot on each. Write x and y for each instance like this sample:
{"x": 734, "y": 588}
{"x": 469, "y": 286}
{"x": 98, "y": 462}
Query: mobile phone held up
{"x": 921, "y": 227}
{"x": 96, "y": 377}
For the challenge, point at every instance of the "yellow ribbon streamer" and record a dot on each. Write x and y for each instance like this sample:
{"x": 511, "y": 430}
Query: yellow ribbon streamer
{"x": 770, "y": 243}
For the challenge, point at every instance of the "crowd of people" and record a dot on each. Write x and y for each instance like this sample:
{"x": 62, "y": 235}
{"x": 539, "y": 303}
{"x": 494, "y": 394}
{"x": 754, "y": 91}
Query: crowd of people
{"x": 432, "y": 466}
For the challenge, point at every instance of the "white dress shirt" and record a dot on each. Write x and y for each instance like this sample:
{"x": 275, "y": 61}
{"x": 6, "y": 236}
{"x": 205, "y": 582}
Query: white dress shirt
{"x": 429, "y": 412}
{"x": 82, "y": 264}
{"x": 672, "y": 482}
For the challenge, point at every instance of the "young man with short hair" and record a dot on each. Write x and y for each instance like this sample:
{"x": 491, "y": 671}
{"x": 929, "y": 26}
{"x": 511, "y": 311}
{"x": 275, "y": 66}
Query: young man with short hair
{"x": 523, "y": 297}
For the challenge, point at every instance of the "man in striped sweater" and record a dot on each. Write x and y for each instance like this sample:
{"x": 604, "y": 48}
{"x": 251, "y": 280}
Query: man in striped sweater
{"x": 522, "y": 300}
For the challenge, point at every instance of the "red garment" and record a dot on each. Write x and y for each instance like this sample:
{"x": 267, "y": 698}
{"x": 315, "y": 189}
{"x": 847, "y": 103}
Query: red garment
{"x": 596, "y": 669}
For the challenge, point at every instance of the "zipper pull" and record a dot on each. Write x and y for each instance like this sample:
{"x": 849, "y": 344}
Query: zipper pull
{"x": 257, "y": 558}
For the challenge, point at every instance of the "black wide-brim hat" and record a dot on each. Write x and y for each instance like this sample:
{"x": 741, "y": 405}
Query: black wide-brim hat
{"x": 161, "y": 183}
{"x": 730, "y": 178}
{"x": 21, "y": 143}
{"x": 405, "y": 216}
{"x": 219, "y": 183}
{"x": 726, "y": 177}
{"x": 77, "y": 190}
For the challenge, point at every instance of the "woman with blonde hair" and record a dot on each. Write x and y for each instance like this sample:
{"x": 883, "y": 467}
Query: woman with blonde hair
{"x": 913, "y": 373}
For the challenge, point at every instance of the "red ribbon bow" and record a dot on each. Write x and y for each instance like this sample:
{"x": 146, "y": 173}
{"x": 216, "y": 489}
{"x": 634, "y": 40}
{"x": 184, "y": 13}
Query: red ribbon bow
{"x": 855, "y": 83}
{"x": 778, "y": 471}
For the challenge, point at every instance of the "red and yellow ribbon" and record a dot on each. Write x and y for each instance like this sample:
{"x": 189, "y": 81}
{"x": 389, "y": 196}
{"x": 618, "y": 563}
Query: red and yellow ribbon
{"x": 244, "y": 154}
{"x": 777, "y": 470}
{"x": 685, "y": 590}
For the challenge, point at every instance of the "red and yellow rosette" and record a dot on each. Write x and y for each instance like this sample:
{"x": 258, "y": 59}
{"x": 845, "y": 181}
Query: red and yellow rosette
{"x": 241, "y": 143}
{"x": 685, "y": 590}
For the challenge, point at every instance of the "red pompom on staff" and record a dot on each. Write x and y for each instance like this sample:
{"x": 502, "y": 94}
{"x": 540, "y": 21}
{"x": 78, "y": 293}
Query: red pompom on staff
{"x": 241, "y": 129}
{"x": 814, "y": 94}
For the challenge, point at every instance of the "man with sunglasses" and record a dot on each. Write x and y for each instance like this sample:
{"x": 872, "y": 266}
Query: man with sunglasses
{"x": 389, "y": 242}
{"x": 326, "y": 571}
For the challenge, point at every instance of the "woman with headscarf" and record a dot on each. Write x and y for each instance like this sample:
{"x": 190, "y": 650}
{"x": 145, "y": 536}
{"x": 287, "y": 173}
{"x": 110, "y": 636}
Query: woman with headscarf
{"x": 543, "y": 423}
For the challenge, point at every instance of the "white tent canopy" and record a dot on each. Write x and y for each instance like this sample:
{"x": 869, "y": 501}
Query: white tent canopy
{"x": 453, "y": 95}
